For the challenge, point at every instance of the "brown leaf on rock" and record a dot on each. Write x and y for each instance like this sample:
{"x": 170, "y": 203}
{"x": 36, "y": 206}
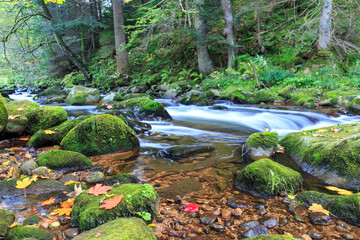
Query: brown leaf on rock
{"x": 112, "y": 202}
{"x": 98, "y": 189}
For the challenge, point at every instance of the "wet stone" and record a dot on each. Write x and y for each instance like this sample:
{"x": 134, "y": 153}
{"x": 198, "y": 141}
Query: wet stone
{"x": 259, "y": 206}
{"x": 42, "y": 171}
{"x": 255, "y": 232}
{"x": 347, "y": 236}
{"x": 234, "y": 205}
{"x": 249, "y": 224}
{"x": 225, "y": 213}
{"x": 95, "y": 177}
{"x": 217, "y": 227}
{"x": 319, "y": 218}
{"x": 97, "y": 169}
{"x": 207, "y": 218}
{"x": 237, "y": 213}
{"x": 343, "y": 225}
{"x": 28, "y": 167}
{"x": 70, "y": 233}
{"x": 269, "y": 222}
{"x": 283, "y": 222}
{"x": 227, "y": 223}
{"x": 300, "y": 218}
{"x": 314, "y": 235}
{"x": 261, "y": 212}
{"x": 68, "y": 178}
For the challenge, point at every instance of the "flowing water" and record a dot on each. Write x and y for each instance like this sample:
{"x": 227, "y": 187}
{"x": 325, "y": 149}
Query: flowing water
{"x": 224, "y": 130}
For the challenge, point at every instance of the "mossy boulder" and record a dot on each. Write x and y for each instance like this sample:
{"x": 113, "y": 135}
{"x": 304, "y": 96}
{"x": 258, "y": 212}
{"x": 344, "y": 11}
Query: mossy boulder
{"x": 51, "y": 95}
{"x": 272, "y": 237}
{"x": 146, "y": 108}
{"x": 178, "y": 152}
{"x": 26, "y": 105}
{"x": 138, "y": 127}
{"x": 44, "y": 118}
{"x": 261, "y": 145}
{"x": 60, "y": 159}
{"x": 53, "y": 136}
{"x": 80, "y": 95}
{"x": 330, "y": 156}
{"x": 3, "y": 113}
{"x": 122, "y": 178}
{"x": 20, "y": 233}
{"x": 346, "y": 208}
{"x": 267, "y": 178}
{"x": 141, "y": 198}
{"x": 7, "y": 218}
{"x": 264, "y": 96}
{"x": 33, "y": 220}
{"x": 120, "y": 229}
{"x": 354, "y": 106}
{"x": 42, "y": 186}
{"x": 99, "y": 135}
{"x": 192, "y": 97}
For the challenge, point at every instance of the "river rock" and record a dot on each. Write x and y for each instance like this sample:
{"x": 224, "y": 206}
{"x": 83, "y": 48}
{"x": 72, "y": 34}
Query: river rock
{"x": 120, "y": 229}
{"x": 273, "y": 237}
{"x": 3, "y": 113}
{"x": 28, "y": 167}
{"x": 111, "y": 135}
{"x": 121, "y": 178}
{"x": 21, "y": 232}
{"x": 346, "y": 208}
{"x": 319, "y": 218}
{"x": 51, "y": 95}
{"x": 109, "y": 97}
{"x": 192, "y": 97}
{"x": 184, "y": 151}
{"x": 314, "y": 235}
{"x": 173, "y": 92}
{"x": 33, "y": 220}
{"x": 42, "y": 172}
{"x": 354, "y": 106}
{"x": 217, "y": 227}
{"x": 95, "y": 177}
{"x": 269, "y": 222}
{"x": 207, "y": 218}
{"x": 65, "y": 160}
{"x": 41, "y": 186}
{"x": 266, "y": 178}
{"x": 261, "y": 145}
{"x": 7, "y": 218}
{"x": 259, "y": 230}
{"x": 330, "y": 153}
{"x": 249, "y": 224}
{"x": 142, "y": 198}
{"x": 80, "y": 95}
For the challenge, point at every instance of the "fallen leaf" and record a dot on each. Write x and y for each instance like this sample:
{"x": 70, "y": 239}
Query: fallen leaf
{"x": 28, "y": 155}
{"x": 55, "y": 224}
{"x": 68, "y": 203}
{"x": 318, "y": 208}
{"x": 15, "y": 224}
{"x": 321, "y": 131}
{"x": 109, "y": 107}
{"x": 63, "y": 211}
{"x": 34, "y": 178}
{"x": 191, "y": 207}
{"x": 112, "y": 202}
{"x": 20, "y": 109}
{"x": 152, "y": 225}
{"x": 24, "y": 139}
{"x": 97, "y": 235}
{"x": 48, "y": 202}
{"x": 339, "y": 190}
{"x": 13, "y": 116}
{"x": 23, "y": 183}
{"x": 49, "y": 132}
{"x": 291, "y": 197}
{"x": 6, "y": 163}
{"x": 77, "y": 190}
{"x": 70, "y": 182}
{"x": 98, "y": 189}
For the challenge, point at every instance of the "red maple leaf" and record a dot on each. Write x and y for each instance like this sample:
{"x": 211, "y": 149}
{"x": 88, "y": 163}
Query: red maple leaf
{"x": 112, "y": 202}
{"x": 191, "y": 207}
{"x": 98, "y": 190}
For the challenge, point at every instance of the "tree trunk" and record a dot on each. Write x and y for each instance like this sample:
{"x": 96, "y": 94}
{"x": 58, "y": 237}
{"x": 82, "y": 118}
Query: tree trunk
{"x": 61, "y": 43}
{"x": 325, "y": 26}
{"x": 120, "y": 39}
{"x": 228, "y": 31}
{"x": 204, "y": 61}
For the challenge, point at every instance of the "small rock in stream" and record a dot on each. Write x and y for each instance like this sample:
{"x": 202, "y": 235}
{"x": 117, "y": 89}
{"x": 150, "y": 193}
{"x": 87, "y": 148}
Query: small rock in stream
{"x": 217, "y": 227}
{"x": 95, "y": 177}
{"x": 269, "y": 222}
{"x": 255, "y": 232}
{"x": 70, "y": 233}
{"x": 319, "y": 218}
{"x": 249, "y": 224}
{"x": 28, "y": 167}
{"x": 207, "y": 218}
{"x": 314, "y": 235}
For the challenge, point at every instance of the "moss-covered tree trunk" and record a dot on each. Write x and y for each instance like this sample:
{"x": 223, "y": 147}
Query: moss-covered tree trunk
{"x": 204, "y": 61}
{"x": 325, "y": 26}
{"x": 120, "y": 38}
{"x": 228, "y": 31}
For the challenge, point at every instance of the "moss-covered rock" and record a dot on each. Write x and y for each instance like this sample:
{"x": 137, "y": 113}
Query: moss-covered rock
{"x": 120, "y": 229}
{"x": 101, "y": 134}
{"x": 51, "y": 95}
{"x": 261, "y": 145}
{"x": 53, "y": 136}
{"x": 354, "y": 106}
{"x": 60, "y": 159}
{"x": 44, "y": 118}
{"x": 272, "y": 237}
{"x": 146, "y": 108}
{"x": 80, "y": 95}
{"x": 3, "y": 113}
{"x": 42, "y": 186}
{"x": 20, "y": 233}
{"x": 138, "y": 127}
{"x": 141, "y": 198}
{"x": 6, "y": 219}
{"x": 33, "y": 220}
{"x": 266, "y": 178}
{"x": 184, "y": 151}
{"x": 346, "y": 208}
{"x": 26, "y": 105}
{"x": 264, "y": 96}
{"x": 330, "y": 156}
{"x": 121, "y": 178}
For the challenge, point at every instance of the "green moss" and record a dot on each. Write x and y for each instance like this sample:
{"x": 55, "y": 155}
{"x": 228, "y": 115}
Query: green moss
{"x": 33, "y": 220}
{"x": 265, "y": 96}
{"x": 346, "y": 208}
{"x": 27, "y": 106}
{"x": 41, "y": 139}
{"x": 52, "y": 94}
{"x": 286, "y": 91}
{"x": 331, "y": 156}
{"x": 3, "y": 113}
{"x": 7, "y": 218}
{"x": 267, "y": 178}
{"x": 265, "y": 140}
{"x": 80, "y": 95}
{"x": 120, "y": 229}
{"x": 272, "y": 237}
{"x": 121, "y": 178}
{"x": 20, "y": 232}
{"x": 137, "y": 95}
{"x": 236, "y": 95}
{"x": 59, "y": 159}
{"x": 137, "y": 198}
{"x": 71, "y": 187}
{"x": 100, "y": 134}
{"x": 44, "y": 118}
{"x": 354, "y": 106}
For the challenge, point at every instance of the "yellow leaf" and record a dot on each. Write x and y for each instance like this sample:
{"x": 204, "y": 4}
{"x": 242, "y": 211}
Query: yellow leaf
{"x": 55, "y": 224}
{"x": 49, "y": 132}
{"x": 63, "y": 211}
{"x": 152, "y": 225}
{"x": 70, "y": 182}
{"x": 34, "y": 178}
{"x": 339, "y": 190}
{"x": 321, "y": 131}
{"x": 24, "y": 183}
{"x": 15, "y": 224}
{"x": 292, "y": 197}
{"x": 318, "y": 208}
{"x": 6, "y": 163}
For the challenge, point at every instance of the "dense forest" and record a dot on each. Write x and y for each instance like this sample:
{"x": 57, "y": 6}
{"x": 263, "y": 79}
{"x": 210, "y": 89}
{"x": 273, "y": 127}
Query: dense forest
{"x": 234, "y": 47}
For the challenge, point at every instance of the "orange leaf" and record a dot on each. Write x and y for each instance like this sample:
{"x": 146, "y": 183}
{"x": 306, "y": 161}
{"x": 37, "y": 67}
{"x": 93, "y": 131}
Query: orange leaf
{"x": 99, "y": 189}
{"x": 112, "y": 202}
{"x": 48, "y": 202}
{"x": 13, "y": 116}
{"x": 68, "y": 204}
{"x": 63, "y": 211}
